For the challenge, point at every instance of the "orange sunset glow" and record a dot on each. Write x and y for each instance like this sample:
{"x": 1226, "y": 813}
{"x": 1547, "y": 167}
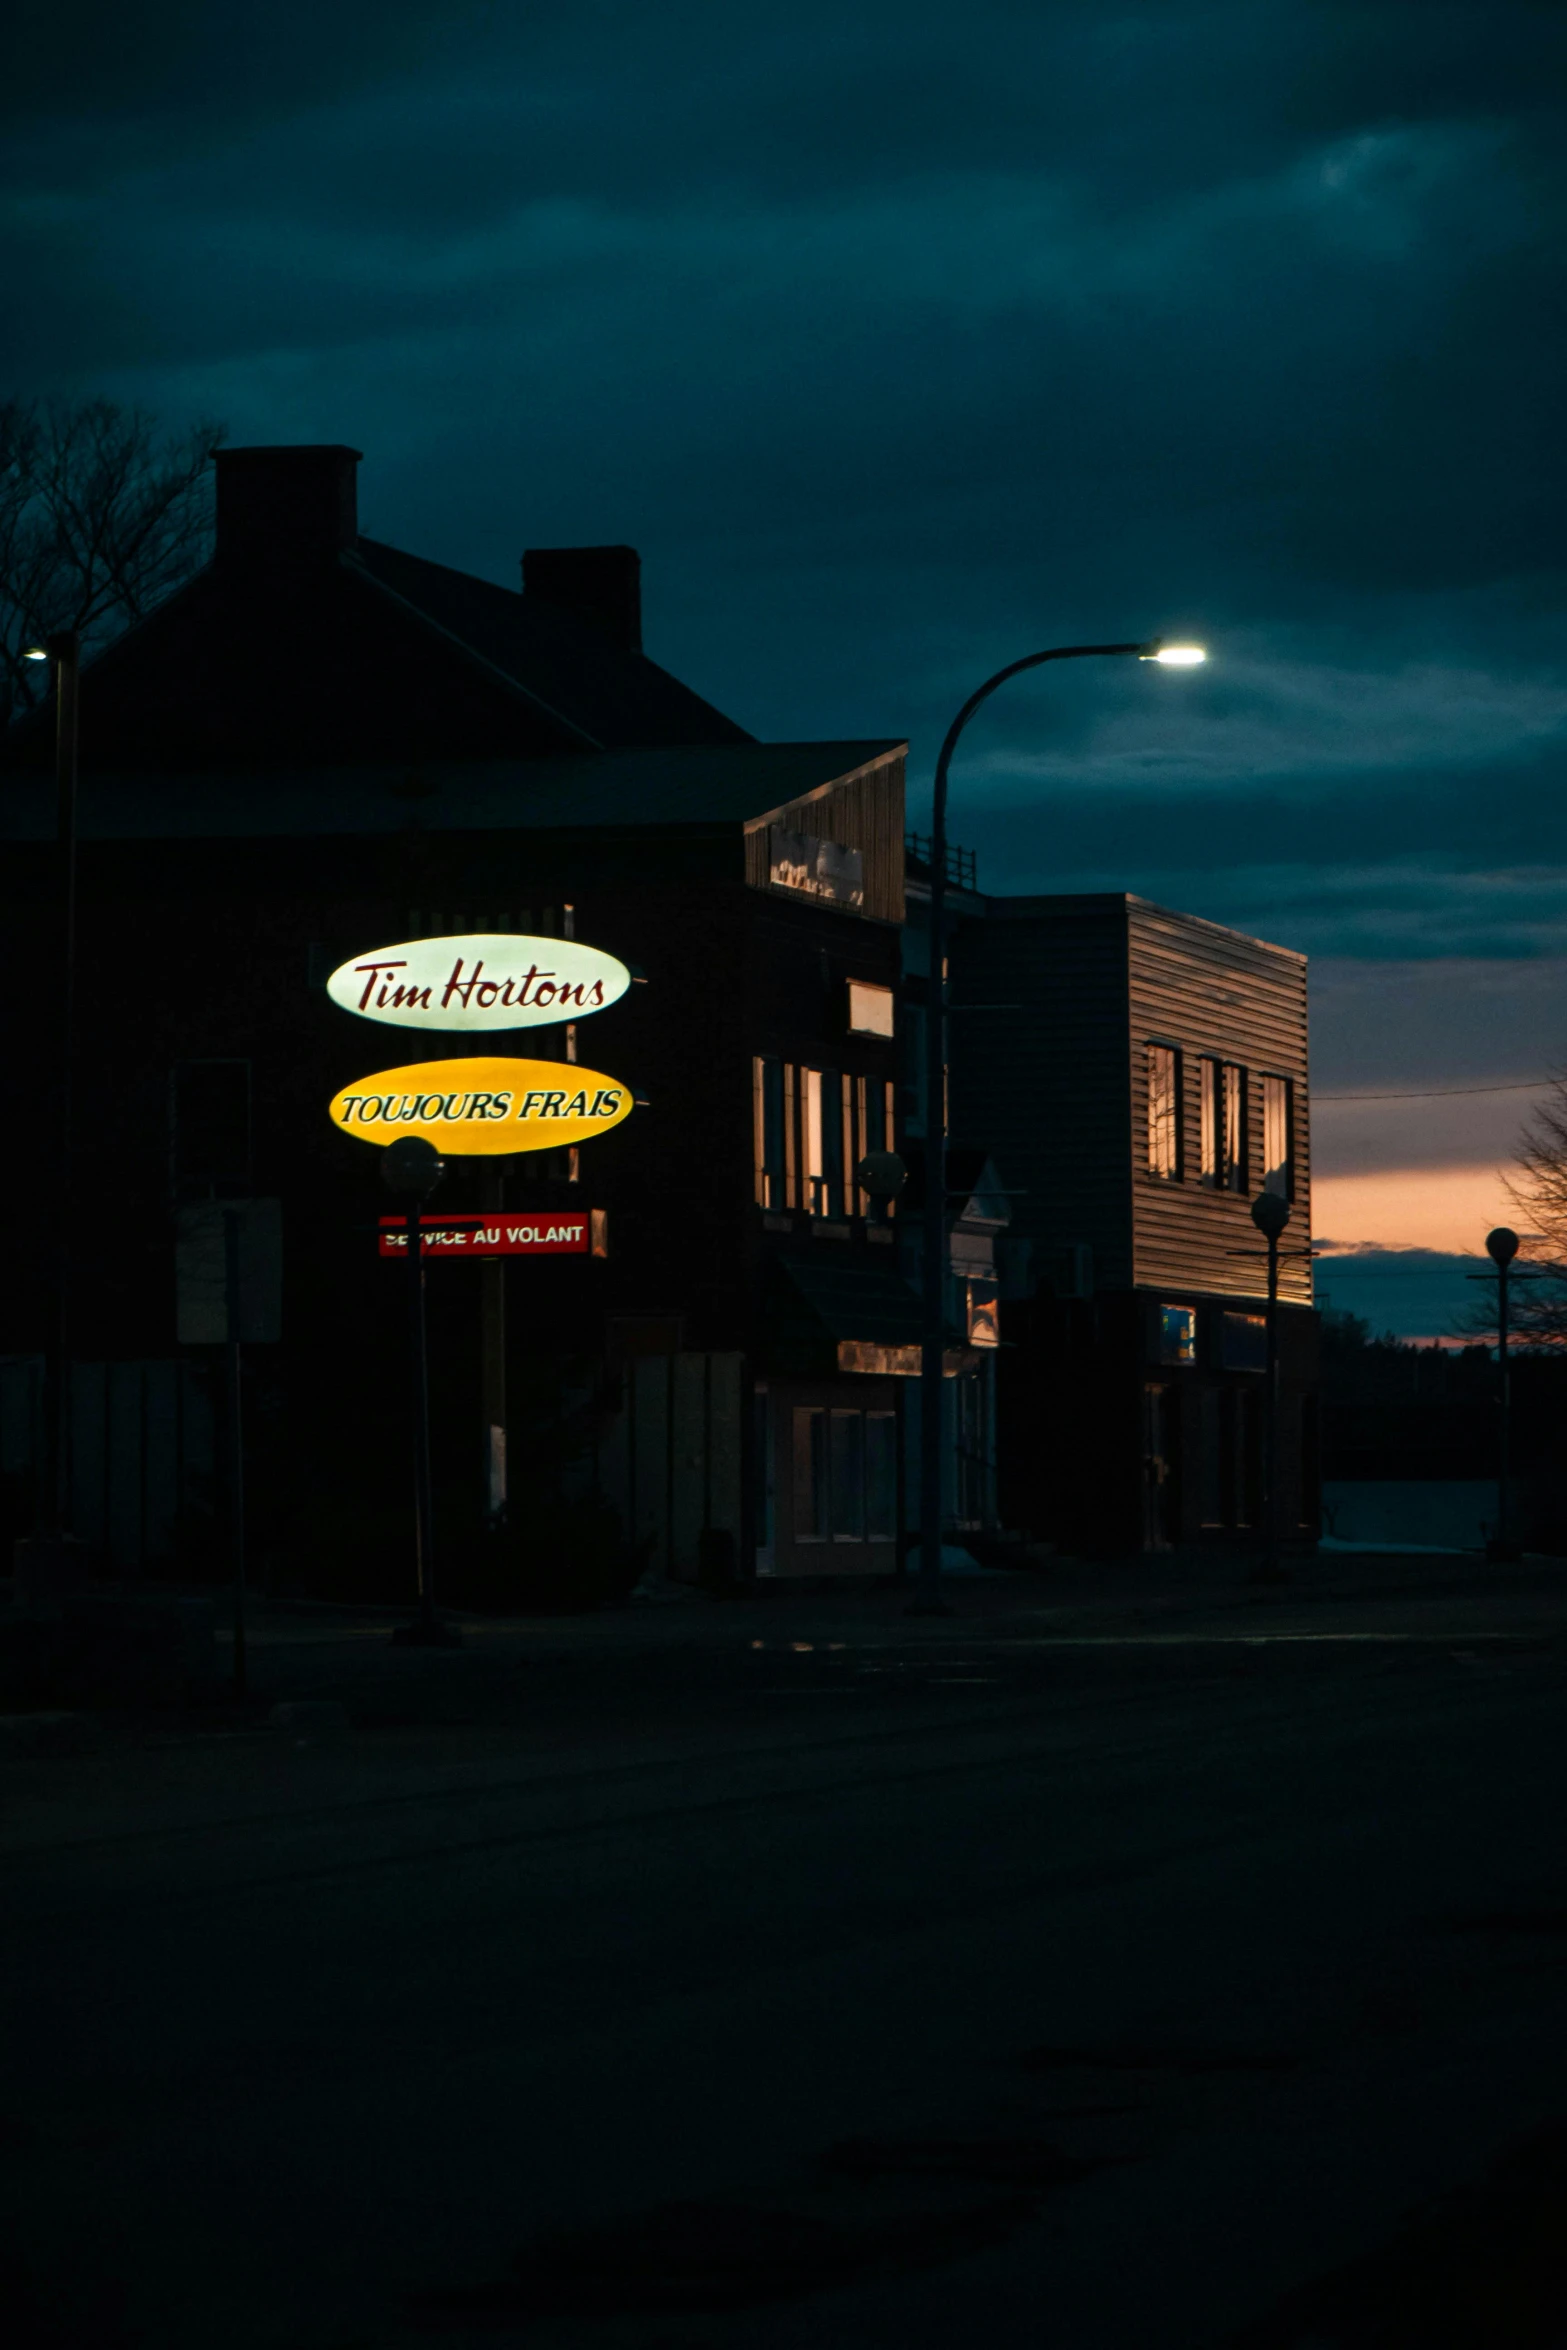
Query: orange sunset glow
{"x": 1451, "y": 1207}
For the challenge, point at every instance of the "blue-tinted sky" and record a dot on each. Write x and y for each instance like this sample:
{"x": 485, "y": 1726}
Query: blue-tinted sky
{"x": 902, "y": 339}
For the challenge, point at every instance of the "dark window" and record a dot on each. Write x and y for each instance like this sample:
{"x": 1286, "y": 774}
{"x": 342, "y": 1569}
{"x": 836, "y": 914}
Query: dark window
{"x": 209, "y": 1106}
{"x": 1243, "y": 1342}
{"x": 1210, "y": 1462}
{"x": 763, "y": 1406}
{"x": 845, "y": 1475}
{"x": 1164, "y": 1113}
{"x": 914, "y": 1068}
{"x": 832, "y": 1151}
{"x": 881, "y": 1476}
{"x": 767, "y": 1104}
{"x": 810, "y": 1475}
{"x": 1223, "y": 1125}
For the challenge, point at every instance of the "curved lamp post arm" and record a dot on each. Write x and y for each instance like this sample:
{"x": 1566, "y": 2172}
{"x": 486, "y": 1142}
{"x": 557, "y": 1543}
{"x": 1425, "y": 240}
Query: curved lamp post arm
{"x": 934, "y": 1237}
{"x": 983, "y": 693}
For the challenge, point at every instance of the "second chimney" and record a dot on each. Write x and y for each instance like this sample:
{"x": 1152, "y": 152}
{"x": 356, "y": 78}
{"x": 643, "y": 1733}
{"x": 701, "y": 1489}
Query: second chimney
{"x": 600, "y": 587}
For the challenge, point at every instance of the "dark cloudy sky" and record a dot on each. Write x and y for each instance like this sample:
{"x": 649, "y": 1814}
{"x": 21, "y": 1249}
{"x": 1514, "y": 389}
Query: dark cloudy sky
{"x": 902, "y": 339}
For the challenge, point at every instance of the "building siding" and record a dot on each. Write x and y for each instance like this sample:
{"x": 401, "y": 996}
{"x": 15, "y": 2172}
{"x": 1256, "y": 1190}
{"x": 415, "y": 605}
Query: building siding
{"x": 863, "y": 811}
{"x": 1040, "y": 1080}
{"x": 1211, "y": 991}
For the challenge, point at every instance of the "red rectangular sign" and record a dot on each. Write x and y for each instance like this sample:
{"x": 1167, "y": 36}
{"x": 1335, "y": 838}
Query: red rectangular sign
{"x": 492, "y": 1236}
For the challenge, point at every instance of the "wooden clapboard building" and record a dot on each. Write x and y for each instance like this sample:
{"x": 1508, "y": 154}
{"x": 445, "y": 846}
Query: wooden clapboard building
{"x": 1139, "y": 1076}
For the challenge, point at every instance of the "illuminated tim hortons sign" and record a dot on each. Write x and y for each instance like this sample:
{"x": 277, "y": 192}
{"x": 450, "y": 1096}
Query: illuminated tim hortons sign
{"x": 490, "y": 1107}
{"x": 482, "y": 981}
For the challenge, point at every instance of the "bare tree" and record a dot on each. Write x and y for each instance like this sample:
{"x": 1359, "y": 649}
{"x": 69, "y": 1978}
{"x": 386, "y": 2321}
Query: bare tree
{"x": 1539, "y": 1190}
{"x": 100, "y": 518}
{"x": 1537, "y": 1295}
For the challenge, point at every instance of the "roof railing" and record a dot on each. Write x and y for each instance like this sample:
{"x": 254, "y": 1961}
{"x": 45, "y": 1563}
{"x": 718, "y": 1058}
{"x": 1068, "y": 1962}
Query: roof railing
{"x": 962, "y": 864}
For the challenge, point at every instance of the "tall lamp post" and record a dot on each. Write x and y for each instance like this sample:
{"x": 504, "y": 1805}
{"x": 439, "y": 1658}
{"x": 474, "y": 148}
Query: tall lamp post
{"x": 928, "y": 1599}
{"x": 1270, "y": 1212}
{"x": 65, "y": 651}
{"x": 1501, "y": 1246}
{"x": 412, "y": 1167}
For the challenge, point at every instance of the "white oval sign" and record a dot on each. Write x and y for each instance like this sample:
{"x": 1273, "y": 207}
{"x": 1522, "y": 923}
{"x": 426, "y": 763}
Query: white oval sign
{"x": 480, "y": 981}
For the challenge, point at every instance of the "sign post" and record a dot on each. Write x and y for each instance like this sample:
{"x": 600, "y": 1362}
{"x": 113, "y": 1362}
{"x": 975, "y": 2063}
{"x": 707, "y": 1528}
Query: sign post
{"x": 484, "y": 1105}
{"x": 236, "y": 1480}
{"x": 413, "y": 1167}
{"x": 228, "y": 1271}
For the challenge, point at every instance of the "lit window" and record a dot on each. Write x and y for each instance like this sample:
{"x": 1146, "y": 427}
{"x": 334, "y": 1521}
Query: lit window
{"x": 1164, "y": 1113}
{"x": 1278, "y": 1139}
{"x": 870, "y": 1009}
{"x": 1177, "y": 1334}
{"x": 984, "y": 1312}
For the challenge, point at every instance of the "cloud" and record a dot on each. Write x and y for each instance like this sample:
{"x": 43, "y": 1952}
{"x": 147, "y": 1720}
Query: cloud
{"x": 900, "y": 342}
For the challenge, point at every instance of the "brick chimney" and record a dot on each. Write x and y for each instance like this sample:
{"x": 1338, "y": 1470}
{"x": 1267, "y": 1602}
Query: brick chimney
{"x": 286, "y": 507}
{"x": 600, "y": 587}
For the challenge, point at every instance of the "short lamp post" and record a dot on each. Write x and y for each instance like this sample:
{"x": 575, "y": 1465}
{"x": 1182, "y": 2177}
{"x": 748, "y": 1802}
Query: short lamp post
{"x": 928, "y": 1599}
{"x": 1501, "y": 1246}
{"x": 412, "y": 1167}
{"x": 1270, "y": 1212}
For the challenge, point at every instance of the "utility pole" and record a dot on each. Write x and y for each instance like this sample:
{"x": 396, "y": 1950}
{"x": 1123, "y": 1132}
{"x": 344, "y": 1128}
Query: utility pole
{"x": 1501, "y": 1246}
{"x": 413, "y": 1167}
{"x": 928, "y": 1598}
{"x": 64, "y": 650}
{"x": 1270, "y": 1212}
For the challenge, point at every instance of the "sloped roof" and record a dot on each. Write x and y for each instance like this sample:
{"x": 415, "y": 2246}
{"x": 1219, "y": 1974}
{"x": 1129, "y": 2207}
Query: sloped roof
{"x": 619, "y": 698}
{"x": 701, "y": 785}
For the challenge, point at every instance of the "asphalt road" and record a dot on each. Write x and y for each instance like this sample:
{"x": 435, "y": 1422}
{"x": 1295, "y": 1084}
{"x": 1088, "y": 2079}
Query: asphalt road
{"x": 970, "y": 1982}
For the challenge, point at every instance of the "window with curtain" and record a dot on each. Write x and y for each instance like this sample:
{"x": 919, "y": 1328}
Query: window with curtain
{"x": 1234, "y": 1127}
{"x": 1164, "y": 1113}
{"x": 1278, "y": 1138}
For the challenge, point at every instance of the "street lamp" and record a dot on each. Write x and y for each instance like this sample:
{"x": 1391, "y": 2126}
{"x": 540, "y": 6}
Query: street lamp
{"x": 65, "y": 651}
{"x": 1270, "y": 1212}
{"x": 412, "y": 1167}
{"x": 934, "y": 1249}
{"x": 1501, "y": 1246}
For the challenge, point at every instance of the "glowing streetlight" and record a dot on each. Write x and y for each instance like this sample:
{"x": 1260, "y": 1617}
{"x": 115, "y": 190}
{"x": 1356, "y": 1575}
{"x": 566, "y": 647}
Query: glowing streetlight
{"x": 934, "y": 1237}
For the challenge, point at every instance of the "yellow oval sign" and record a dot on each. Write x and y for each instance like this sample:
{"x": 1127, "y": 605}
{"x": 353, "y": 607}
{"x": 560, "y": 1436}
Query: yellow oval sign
{"x": 491, "y": 1106}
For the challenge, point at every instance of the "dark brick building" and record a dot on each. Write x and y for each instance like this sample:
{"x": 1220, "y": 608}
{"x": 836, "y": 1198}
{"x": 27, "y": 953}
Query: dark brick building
{"x": 322, "y": 745}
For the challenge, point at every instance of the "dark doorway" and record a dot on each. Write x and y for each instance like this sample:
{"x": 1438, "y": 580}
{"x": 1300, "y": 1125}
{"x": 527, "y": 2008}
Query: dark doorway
{"x": 1161, "y": 1465}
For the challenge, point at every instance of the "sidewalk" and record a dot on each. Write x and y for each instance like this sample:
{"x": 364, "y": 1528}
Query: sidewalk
{"x": 295, "y": 1644}
{"x": 320, "y": 1653}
